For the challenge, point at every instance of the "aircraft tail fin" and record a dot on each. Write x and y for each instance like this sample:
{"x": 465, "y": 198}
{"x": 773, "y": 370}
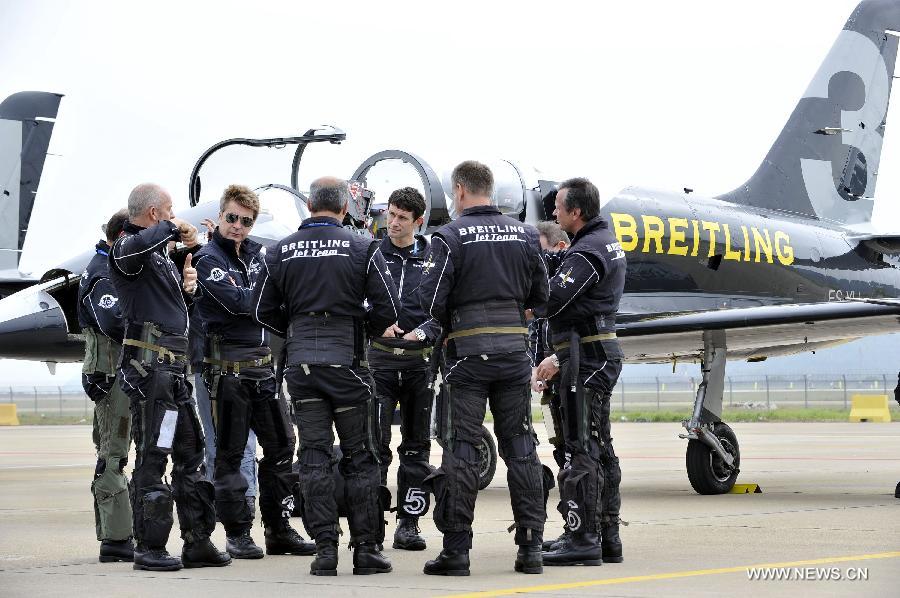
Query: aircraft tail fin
{"x": 26, "y": 125}
{"x": 825, "y": 162}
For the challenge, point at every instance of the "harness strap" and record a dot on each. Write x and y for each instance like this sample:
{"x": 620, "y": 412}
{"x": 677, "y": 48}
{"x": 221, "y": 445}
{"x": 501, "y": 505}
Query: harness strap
{"x": 488, "y": 330}
{"x": 399, "y": 351}
{"x": 606, "y": 336}
{"x": 161, "y": 351}
{"x": 237, "y": 365}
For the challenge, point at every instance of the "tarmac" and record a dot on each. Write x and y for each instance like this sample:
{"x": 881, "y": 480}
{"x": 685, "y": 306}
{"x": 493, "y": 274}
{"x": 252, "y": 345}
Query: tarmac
{"x": 826, "y": 522}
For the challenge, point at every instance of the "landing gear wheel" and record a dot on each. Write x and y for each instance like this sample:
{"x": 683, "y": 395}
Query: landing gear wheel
{"x": 488, "y": 463}
{"x": 706, "y": 471}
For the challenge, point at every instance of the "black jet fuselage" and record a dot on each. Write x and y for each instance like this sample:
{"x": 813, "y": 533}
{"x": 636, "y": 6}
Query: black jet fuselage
{"x": 687, "y": 253}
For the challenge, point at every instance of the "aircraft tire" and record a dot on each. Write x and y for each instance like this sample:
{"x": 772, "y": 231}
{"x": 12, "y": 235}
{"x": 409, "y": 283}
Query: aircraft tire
{"x": 488, "y": 467}
{"x": 706, "y": 471}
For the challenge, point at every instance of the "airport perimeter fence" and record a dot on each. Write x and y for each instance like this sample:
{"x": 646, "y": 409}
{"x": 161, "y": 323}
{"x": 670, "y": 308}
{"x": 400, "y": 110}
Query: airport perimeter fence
{"x": 631, "y": 393}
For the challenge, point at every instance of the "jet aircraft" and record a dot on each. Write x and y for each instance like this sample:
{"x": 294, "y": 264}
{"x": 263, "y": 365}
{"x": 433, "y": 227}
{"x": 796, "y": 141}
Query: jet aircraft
{"x": 787, "y": 262}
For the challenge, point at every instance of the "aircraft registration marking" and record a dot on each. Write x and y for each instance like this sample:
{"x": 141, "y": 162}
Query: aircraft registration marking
{"x": 758, "y": 244}
{"x": 673, "y": 575}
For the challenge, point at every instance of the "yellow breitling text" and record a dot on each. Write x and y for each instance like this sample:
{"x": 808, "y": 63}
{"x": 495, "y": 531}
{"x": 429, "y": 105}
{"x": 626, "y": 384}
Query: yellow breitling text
{"x": 680, "y": 236}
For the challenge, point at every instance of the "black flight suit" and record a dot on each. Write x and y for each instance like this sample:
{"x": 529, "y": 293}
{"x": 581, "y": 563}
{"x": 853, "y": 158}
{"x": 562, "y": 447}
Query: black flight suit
{"x": 584, "y": 298}
{"x": 312, "y": 291}
{"x": 103, "y": 327}
{"x": 538, "y": 348}
{"x": 241, "y": 381}
{"x": 400, "y": 369}
{"x": 164, "y": 420}
{"x": 483, "y": 271}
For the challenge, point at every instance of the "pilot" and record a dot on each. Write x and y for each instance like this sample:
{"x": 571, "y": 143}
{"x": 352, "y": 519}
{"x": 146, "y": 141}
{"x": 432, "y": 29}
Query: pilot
{"x": 483, "y": 271}
{"x": 240, "y": 380}
{"x": 584, "y": 298}
{"x": 554, "y": 242}
{"x": 153, "y": 295}
{"x": 314, "y": 289}
{"x": 197, "y": 348}
{"x": 101, "y": 323}
{"x": 400, "y": 367}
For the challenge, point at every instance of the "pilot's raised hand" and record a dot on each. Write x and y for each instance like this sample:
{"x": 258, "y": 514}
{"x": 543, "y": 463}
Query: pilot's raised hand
{"x": 187, "y": 231}
{"x": 189, "y": 276}
{"x": 209, "y": 224}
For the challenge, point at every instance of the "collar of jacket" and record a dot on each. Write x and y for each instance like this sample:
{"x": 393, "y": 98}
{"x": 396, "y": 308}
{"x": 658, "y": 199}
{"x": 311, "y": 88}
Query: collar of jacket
{"x": 590, "y": 226}
{"x": 131, "y": 227}
{"x": 248, "y": 246}
{"x": 103, "y": 246}
{"x": 320, "y": 220}
{"x": 489, "y": 209}
{"x": 418, "y": 246}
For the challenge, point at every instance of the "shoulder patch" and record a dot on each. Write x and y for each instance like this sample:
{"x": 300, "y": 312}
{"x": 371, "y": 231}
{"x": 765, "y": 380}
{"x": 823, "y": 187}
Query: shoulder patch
{"x": 216, "y": 274}
{"x": 107, "y": 301}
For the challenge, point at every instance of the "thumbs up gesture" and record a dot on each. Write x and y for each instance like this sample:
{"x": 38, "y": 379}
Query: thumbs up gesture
{"x": 189, "y": 276}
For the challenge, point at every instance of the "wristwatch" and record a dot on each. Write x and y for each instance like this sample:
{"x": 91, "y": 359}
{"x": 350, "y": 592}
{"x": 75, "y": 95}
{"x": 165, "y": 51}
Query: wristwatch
{"x": 420, "y": 334}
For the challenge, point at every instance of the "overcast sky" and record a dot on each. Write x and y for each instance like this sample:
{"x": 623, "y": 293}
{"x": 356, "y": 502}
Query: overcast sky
{"x": 654, "y": 93}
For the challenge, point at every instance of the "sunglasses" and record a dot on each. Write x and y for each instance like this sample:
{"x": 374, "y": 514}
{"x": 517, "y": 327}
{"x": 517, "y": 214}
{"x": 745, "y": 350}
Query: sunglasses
{"x": 245, "y": 220}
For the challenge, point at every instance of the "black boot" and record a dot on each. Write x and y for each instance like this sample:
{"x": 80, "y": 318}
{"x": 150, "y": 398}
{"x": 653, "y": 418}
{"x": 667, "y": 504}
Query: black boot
{"x": 113, "y": 551}
{"x": 326, "y": 559}
{"x": 155, "y": 559}
{"x": 286, "y": 540}
{"x": 897, "y": 491}
{"x": 611, "y": 543}
{"x": 242, "y": 546}
{"x": 550, "y": 545}
{"x": 406, "y": 536}
{"x": 449, "y": 562}
{"x": 367, "y": 559}
{"x": 529, "y": 559}
{"x": 202, "y": 553}
{"x": 581, "y": 549}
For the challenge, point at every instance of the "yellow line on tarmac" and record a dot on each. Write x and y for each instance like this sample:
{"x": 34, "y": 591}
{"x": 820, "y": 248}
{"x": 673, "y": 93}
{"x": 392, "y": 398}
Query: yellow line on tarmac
{"x": 673, "y": 575}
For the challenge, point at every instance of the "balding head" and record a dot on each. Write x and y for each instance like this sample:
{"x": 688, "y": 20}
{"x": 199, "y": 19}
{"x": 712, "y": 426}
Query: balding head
{"x": 149, "y": 203}
{"x": 329, "y": 194}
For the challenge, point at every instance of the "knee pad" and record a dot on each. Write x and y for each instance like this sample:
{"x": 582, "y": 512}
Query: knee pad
{"x": 154, "y": 521}
{"x": 465, "y": 451}
{"x": 519, "y": 446}
{"x": 313, "y": 456}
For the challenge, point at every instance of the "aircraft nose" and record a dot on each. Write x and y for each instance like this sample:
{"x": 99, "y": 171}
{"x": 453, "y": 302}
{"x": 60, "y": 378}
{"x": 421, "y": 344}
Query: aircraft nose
{"x": 33, "y": 326}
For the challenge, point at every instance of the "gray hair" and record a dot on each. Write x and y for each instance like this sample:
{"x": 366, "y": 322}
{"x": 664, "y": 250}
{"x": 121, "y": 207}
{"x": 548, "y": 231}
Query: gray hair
{"x": 474, "y": 177}
{"x": 143, "y": 197}
{"x": 329, "y": 194}
{"x": 553, "y": 233}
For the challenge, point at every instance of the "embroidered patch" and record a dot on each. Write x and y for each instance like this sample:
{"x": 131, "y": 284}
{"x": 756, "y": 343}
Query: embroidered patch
{"x": 565, "y": 278}
{"x": 216, "y": 274}
{"x": 107, "y": 301}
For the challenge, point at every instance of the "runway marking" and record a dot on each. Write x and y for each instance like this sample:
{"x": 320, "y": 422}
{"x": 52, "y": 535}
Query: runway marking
{"x": 673, "y": 575}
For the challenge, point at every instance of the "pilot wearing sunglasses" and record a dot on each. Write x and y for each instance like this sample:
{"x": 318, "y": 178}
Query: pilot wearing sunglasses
{"x": 241, "y": 381}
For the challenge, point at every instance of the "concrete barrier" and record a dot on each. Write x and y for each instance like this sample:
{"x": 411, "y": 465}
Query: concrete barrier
{"x": 8, "y": 415}
{"x": 869, "y": 408}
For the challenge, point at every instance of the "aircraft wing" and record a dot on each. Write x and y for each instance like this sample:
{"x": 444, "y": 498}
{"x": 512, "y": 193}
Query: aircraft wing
{"x": 756, "y": 332}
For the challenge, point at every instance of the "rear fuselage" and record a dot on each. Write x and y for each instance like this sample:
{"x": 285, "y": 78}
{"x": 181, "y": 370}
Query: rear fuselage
{"x": 689, "y": 253}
